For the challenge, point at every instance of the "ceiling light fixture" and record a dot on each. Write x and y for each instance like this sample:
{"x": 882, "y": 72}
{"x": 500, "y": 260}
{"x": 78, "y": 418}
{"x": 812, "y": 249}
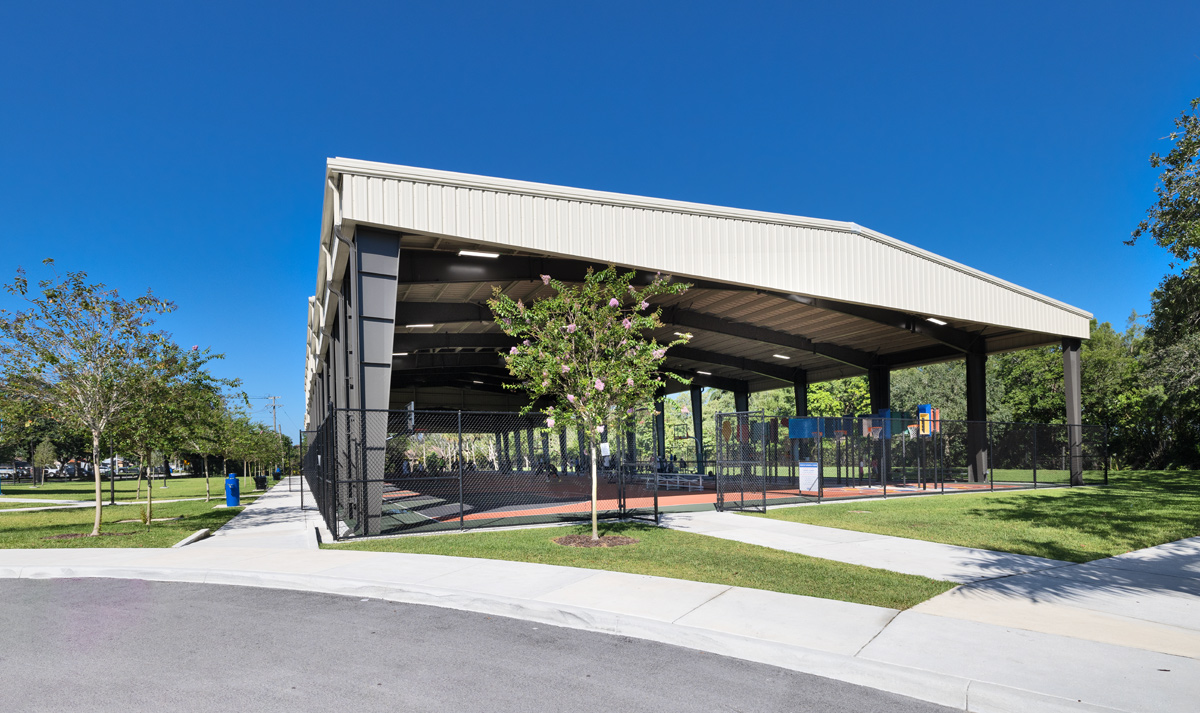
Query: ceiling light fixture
{"x": 417, "y": 326}
{"x": 476, "y": 253}
{"x": 780, "y": 356}
{"x": 400, "y": 354}
{"x": 680, "y": 334}
{"x": 476, "y": 382}
{"x": 706, "y": 373}
{"x": 936, "y": 321}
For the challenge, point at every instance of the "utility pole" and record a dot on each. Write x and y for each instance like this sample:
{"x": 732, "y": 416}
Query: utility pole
{"x": 275, "y": 427}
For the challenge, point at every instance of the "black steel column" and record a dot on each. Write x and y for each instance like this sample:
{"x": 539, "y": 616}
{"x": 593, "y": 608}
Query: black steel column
{"x": 977, "y": 455}
{"x": 879, "y": 384}
{"x": 800, "y": 391}
{"x": 698, "y": 426}
{"x": 741, "y": 400}
{"x": 1071, "y": 384}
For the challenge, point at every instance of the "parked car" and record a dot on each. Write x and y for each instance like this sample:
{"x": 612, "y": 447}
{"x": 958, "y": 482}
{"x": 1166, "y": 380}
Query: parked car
{"x": 7, "y": 471}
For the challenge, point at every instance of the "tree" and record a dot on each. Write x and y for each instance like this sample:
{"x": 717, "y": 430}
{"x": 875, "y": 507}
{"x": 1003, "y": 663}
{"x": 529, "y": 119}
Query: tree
{"x": 585, "y": 348}
{"x": 1174, "y": 221}
{"x": 1171, "y": 358}
{"x": 44, "y": 455}
{"x": 77, "y": 350}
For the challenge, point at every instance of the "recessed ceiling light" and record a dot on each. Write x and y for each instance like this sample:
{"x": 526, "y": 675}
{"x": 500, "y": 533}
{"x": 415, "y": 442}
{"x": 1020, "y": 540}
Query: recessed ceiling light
{"x": 936, "y": 321}
{"x": 400, "y": 354}
{"x": 780, "y": 356}
{"x": 706, "y": 373}
{"x": 476, "y": 253}
{"x": 417, "y": 326}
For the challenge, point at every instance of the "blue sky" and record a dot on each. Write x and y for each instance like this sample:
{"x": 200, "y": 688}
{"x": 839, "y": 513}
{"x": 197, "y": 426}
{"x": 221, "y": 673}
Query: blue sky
{"x": 181, "y": 146}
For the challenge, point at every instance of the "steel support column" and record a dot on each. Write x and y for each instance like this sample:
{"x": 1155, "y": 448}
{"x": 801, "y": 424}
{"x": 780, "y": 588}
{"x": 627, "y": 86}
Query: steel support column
{"x": 800, "y": 392}
{"x": 741, "y": 401}
{"x": 698, "y": 425}
{"x": 375, "y": 258}
{"x": 1073, "y": 392}
{"x": 879, "y": 384}
{"x": 977, "y": 445}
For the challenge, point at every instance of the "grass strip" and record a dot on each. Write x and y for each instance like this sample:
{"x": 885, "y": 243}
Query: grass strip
{"x": 1137, "y": 509}
{"x": 680, "y": 555}
{"x": 125, "y": 489}
{"x": 29, "y": 530}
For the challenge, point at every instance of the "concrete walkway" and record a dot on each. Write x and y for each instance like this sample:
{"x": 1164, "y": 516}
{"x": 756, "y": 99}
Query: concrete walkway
{"x": 959, "y": 649}
{"x": 950, "y": 563}
{"x": 275, "y": 520}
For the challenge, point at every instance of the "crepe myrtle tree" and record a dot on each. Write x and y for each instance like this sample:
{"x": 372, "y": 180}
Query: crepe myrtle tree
{"x": 586, "y": 348}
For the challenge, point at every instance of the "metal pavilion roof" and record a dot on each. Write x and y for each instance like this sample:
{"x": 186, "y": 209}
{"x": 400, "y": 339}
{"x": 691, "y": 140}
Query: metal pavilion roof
{"x": 834, "y": 297}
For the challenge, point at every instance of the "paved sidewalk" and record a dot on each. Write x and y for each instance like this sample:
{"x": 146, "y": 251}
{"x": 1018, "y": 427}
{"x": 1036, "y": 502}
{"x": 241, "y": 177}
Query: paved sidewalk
{"x": 943, "y": 651}
{"x": 274, "y": 520}
{"x": 950, "y": 563}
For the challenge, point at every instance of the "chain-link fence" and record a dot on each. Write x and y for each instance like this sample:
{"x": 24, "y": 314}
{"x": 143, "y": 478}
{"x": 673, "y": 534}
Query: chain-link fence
{"x": 380, "y": 472}
{"x": 390, "y": 472}
{"x": 856, "y": 457}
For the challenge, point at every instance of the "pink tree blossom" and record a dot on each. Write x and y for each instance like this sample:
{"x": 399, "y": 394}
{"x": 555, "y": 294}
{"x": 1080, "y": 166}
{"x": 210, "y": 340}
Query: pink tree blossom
{"x": 545, "y": 279}
{"x": 599, "y": 385}
{"x": 614, "y": 303}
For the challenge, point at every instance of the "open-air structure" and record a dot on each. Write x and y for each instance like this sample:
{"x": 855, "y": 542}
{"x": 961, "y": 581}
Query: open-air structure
{"x": 408, "y": 256}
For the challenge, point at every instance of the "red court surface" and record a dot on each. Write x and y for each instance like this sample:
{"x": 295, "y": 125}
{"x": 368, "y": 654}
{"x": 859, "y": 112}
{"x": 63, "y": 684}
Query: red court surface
{"x": 571, "y": 495}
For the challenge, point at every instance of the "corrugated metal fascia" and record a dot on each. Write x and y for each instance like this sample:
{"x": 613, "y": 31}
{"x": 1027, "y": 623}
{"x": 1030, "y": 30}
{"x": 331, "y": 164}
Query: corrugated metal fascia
{"x": 543, "y": 190}
{"x": 728, "y": 261}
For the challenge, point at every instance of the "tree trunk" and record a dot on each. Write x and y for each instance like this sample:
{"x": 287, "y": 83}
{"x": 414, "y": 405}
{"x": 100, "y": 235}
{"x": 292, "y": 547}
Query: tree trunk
{"x": 207, "y": 482}
{"x": 595, "y": 527}
{"x": 149, "y": 493}
{"x": 96, "y": 474}
{"x": 141, "y": 470}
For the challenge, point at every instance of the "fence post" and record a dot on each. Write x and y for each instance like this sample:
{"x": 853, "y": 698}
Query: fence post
{"x": 1106, "y": 454}
{"x": 820, "y": 469}
{"x": 363, "y": 508}
{"x": 990, "y": 457}
{"x": 1035, "y": 454}
{"x": 460, "y": 473}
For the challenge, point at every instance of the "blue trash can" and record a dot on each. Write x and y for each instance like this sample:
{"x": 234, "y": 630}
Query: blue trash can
{"x": 233, "y": 491}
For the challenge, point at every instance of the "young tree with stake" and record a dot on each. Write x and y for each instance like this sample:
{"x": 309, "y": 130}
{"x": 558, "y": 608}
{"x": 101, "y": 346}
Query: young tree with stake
{"x": 587, "y": 348}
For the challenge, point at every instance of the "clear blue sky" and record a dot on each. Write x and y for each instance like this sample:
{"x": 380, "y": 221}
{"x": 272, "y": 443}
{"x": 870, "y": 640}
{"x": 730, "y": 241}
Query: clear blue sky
{"x": 181, "y": 146}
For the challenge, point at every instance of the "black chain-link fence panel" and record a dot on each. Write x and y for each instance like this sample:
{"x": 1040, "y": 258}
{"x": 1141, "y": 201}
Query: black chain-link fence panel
{"x": 389, "y": 472}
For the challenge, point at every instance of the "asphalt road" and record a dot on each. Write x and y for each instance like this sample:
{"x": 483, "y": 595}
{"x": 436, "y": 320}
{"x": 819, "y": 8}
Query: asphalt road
{"x": 128, "y": 645}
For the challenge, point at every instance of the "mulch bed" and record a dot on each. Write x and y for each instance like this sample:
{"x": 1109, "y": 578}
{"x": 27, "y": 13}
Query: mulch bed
{"x": 74, "y": 535}
{"x": 587, "y": 541}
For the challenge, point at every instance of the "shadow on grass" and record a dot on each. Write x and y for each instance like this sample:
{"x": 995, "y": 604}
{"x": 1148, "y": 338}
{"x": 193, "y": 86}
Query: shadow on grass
{"x": 1140, "y": 509}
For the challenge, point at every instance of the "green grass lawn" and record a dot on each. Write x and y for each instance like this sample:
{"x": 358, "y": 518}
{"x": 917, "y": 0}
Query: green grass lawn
{"x": 1138, "y": 509}
{"x": 125, "y": 489}
{"x": 28, "y": 530}
{"x": 681, "y": 555}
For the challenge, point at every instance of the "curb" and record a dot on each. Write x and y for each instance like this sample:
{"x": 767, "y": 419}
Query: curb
{"x": 960, "y": 693}
{"x": 194, "y": 537}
